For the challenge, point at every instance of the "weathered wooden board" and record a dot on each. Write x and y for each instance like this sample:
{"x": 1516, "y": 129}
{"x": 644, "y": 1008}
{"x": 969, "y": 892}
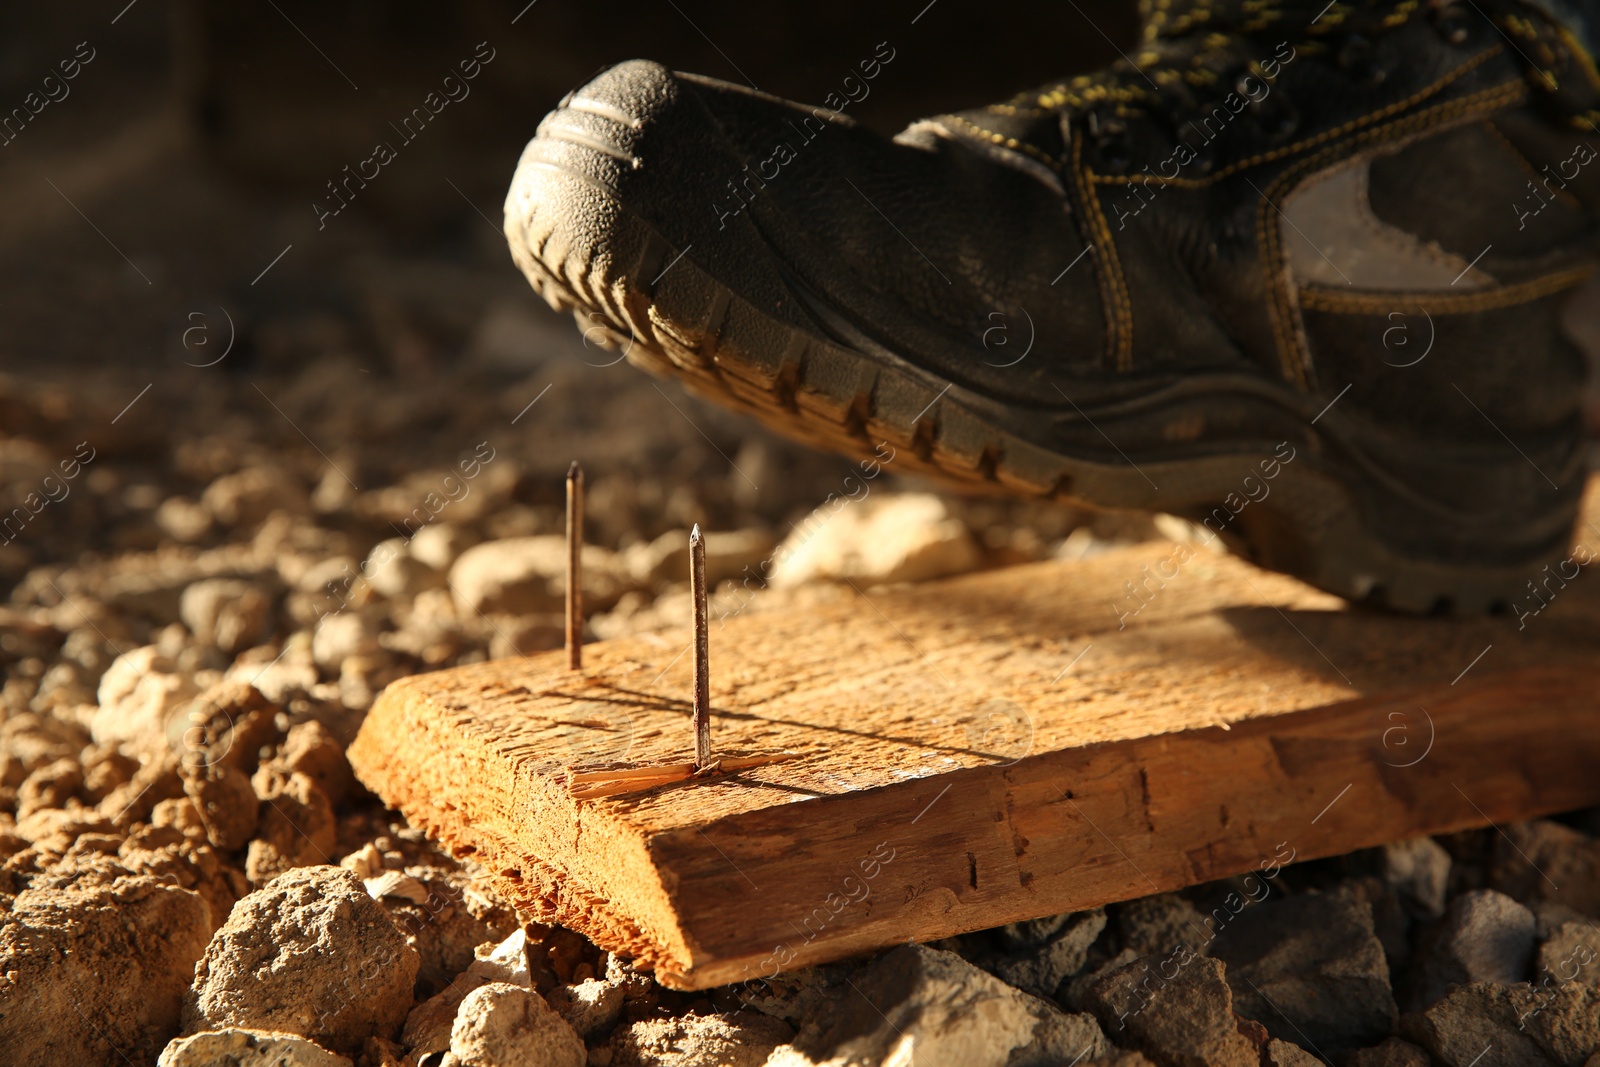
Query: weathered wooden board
{"x": 989, "y": 749}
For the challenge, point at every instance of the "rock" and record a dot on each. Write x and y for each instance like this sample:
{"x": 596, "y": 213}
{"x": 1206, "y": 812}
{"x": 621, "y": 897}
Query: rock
{"x": 527, "y": 576}
{"x": 1279, "y": 1053}
{"x": 1394, "y": 1052}
{"x": 394, "y": 572}
{"x": 311, "y": 749}
{"x": 935, "y": 1006}
{"x": 247, "y": 1048}
{"x": 504, "y": 1025}
{"x": 179, "y": 814}
{"x": 226, "y": 803}
{"x": 731, "y": 555}
{"x": 1155, "y": 925}
{"x": 1485, "y": 1024}
{"x": 365, "y": 861}
{"x": 96, "y": 973}
{"x": 296, "y": 826}
{"x": 525, "y": 634}
{"x": 427, "y": 629}
{"x": 1544, "y": 860}
{"x": 62, "y": 689}
{"x": 54, "y": 831}
{"x": 1485, "y": 937}
{"x": 444, "y": 917}
{"x": 1548, "y": 915}
{"x": 427, "y": 1028}
{"x": 293, "y": 675}
{"x": 229, "y": 723}
{"x": 1176, "y": 1008}
{"x": 440, "y": 544}
{"x": 329, "y": 581}
{"x": 310, "y": 954}
{"x": 362, "y": 678}
{"x": 138, "y": 694}
{"x": 153, "y": 784}
{"x": 1570, "y": 954}
{"x": 1419, "y": 870}
{"x": 1310, "y": 969}
{"x": 183, "y": 520}
{"x": 906, "y": 537}
{"x": 395, "y": 884}
{"x": 1074, "y": 993}
{"x": 244, "y": 498}
{"x": 1045, "y": 952}
{"x": 105, "y": 768}
{"x": 736, "y": 555}
{"x": 51, "y": 786}
{"x": 29, "y": 741}
{"x": 590, "y": 1007}
{"x": 506, "y": 961}
{"x": 341, "y": 636}
{"x": 556, "y": 954}
{"x": 735, "y": 1039}
{"x": 637, "y": 986}
{"x": 1391, "y": 919}
{"x": 227, "y": 613}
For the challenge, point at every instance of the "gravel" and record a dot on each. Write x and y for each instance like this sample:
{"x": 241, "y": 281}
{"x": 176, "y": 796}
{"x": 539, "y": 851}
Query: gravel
{"x": 933, "y": 1003}
{"x": 238, "y": 1047}
{"x": 1176, "y": 1009}
{"x": 504, "y": 1025}
{"x": 1485, "y": 937}
{"x": 311, "y": 954}
{"x": 1311, "y": 969}
{"x": 1511, "y": 1025}
{"x": 97, "y": 967}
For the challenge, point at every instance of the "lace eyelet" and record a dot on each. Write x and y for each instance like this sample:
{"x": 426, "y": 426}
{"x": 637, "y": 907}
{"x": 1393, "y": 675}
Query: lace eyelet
{"x": 1275, "y": 114}
{"x": 1454, "y": 25}
{"x": 1356, "y": 56}
{"x": 1110, "y": 135}
{"x": 1114, "y": 158}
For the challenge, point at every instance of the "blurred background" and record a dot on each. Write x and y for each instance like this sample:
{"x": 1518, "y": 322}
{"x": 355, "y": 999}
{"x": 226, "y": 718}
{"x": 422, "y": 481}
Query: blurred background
{"x": 159, "y": 231}
{"x": 249, "y": 374}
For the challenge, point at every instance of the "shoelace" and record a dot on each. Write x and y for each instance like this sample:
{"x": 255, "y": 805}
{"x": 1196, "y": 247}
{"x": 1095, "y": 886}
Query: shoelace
{"x": 1181, "y": 71}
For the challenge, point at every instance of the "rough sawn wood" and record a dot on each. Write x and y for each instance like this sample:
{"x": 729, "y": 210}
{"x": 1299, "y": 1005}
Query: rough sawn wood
{"x": 989, "y": 749}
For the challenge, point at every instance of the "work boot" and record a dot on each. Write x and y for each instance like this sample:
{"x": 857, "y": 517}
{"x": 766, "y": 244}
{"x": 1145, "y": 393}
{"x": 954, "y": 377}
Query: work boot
{"x": 1292, "y": 274}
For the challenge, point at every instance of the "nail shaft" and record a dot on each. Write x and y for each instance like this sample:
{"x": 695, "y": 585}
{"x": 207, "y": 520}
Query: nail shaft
{"x": 574, "y": 566}
{"x": 702, "y": 666}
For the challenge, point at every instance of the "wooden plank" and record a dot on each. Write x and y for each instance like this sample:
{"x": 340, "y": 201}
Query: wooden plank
{"x": 988, "y": 749}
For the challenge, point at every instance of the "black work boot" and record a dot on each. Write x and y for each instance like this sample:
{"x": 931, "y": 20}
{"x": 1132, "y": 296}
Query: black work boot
{"x": 1291, "y": 273}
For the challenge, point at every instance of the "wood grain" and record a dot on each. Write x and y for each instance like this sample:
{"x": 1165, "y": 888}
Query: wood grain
{"x": 988, "y": 749}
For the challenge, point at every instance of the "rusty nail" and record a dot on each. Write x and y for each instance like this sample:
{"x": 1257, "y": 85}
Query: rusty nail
{"x": 575, "y": 566}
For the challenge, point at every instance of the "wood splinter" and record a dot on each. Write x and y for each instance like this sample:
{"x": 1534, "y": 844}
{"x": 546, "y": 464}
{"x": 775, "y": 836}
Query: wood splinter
{"x": 591, "y": 785}
{"x": 574, "y": 567}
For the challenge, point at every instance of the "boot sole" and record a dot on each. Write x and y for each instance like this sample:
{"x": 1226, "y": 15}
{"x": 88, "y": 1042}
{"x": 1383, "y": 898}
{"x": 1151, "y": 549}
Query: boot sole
{"x": 585, "y": 251}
